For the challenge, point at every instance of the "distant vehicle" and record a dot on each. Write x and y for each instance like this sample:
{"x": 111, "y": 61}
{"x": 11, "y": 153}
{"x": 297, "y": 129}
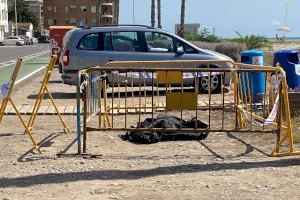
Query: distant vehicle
{"x": 96, "y": 46}
{"x": 44, "y": 39}
{"x": 12, "y": 40}
{"x": 34, "y": 40}
{"x": 26, "y": 39}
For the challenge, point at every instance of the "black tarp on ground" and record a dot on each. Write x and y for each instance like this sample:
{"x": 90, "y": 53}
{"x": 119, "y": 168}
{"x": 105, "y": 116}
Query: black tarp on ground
{"x": 147, "y": 137}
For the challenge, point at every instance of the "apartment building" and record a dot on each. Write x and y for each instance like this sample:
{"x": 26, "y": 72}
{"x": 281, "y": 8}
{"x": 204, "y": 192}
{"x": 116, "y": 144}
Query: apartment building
{"x": 80, "y": 13}
{"x": 36, "y": 6}
{"x": 3, "y": 18}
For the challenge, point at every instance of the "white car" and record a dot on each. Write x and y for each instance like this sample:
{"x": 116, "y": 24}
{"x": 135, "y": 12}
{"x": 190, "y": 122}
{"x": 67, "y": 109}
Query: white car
{"x": 12, "y": 40}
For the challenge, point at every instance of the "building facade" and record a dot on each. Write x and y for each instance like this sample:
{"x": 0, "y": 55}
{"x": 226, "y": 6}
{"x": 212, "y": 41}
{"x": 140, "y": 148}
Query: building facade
{"x": 3, "y": 18}
{"x": 80, "y": 13}
{"x": 188, "y": 28}
{"x": 36, "y": 6}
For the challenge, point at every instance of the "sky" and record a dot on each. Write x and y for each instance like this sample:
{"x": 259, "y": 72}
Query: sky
{"x": 260, "y": 17}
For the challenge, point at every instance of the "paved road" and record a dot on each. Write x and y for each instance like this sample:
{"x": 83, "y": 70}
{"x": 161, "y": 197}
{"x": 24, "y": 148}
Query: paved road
{"x": 35, "y": 57}
{"x": 8, "y": 53}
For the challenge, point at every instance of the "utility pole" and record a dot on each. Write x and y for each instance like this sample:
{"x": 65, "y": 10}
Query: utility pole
{"x": 98, "y": 12}
{"x": 16, "y": 19}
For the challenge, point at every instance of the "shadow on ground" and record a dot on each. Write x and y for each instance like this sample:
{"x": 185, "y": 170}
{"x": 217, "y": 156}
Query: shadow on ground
{"x": 56, "y": 178}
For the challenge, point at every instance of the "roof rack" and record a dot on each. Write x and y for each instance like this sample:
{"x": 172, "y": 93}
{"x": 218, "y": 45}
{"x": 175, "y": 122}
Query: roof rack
{"x": 121, "y": 25}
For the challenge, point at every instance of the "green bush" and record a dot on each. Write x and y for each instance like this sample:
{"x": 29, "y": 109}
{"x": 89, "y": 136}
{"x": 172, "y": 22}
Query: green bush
{"x": 251, "y": 41}
{"x": 204, "y": 36}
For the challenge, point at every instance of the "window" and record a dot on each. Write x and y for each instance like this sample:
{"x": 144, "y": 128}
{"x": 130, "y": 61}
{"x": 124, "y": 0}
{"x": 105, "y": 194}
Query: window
{"x": 72, "y": 8}
{"x": 50, "y": 22}
{"x": 93, "y": 9}
{"x": 159, "y": 43}
{"x": 54, "y": 8}
{"x": 89, "y": 42}
{"x": 189, "y": 49}
{"x": 49, "y": 8}
{"x": 125, "y": 42}
{"x": 73, "y": 21}
{"x": 83, "y": 9}
{"x": 67, "y": 9}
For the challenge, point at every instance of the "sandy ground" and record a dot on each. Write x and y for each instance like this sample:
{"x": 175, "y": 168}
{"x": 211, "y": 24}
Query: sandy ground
{"x": 224, "y": 166}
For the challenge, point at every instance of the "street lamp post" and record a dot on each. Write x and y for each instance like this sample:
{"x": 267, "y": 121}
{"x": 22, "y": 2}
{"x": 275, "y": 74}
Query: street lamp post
{"x": 16, "y": 19}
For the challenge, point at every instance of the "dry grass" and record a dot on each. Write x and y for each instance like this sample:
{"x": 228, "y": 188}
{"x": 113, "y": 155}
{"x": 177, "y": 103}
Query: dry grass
{"x": 296, "y": 127}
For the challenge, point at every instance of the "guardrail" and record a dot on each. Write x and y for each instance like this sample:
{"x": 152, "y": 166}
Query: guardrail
{"x": 140, "y": 90}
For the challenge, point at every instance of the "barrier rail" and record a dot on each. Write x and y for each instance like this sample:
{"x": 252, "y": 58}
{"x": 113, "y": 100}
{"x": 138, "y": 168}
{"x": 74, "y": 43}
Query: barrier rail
{"x": 6, "y": 93}
{"x": 140, "y": 90}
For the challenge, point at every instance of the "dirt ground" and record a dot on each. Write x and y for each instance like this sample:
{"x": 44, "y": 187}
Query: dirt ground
{"x": 224, "y": 166}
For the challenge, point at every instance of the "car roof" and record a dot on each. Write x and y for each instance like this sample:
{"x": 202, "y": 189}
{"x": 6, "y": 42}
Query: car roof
{"x": 118, "y": 28}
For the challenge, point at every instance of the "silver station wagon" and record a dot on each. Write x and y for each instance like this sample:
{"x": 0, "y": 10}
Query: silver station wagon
{"x": 88, "y": 47}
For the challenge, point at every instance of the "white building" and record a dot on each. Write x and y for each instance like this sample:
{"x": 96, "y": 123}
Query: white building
{"x": 3, "y": 18}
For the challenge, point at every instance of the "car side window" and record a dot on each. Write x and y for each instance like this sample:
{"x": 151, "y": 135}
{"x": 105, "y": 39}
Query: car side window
{"x": 160, "y": 43}
{"x": 123, "y": 42}
{"x": 89, "y": 42}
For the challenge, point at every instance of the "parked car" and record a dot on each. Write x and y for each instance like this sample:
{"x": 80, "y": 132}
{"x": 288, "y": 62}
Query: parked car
{"x": 44, "y": 39}
{"x": 96, "y": 46}
{"x": 34, "y": 40}
{"x": 26, "y": 39}
{"x": 12, "y": 40}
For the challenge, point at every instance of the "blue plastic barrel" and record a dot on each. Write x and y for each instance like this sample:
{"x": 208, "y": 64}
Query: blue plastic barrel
{"x": 289, "y": 61}
{"x": 253, "y": 81}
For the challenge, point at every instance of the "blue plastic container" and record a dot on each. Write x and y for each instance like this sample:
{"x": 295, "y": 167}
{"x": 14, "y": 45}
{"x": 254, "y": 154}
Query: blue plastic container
{"x": 289, "y": 61}
{"x": 253, "y": 81}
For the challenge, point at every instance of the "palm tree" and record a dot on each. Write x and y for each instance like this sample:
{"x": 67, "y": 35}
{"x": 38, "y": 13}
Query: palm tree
{"x": 182, "y": 17}
{"x": 159, "y": 14}
{"x": 153, "y": 13}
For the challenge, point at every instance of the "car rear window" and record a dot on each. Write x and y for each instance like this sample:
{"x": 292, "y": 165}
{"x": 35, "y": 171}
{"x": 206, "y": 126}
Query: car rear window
{"x": 67, "y": 36}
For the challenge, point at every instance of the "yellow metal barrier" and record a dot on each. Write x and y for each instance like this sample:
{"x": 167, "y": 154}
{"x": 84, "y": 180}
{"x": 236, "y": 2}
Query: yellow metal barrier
{"x": 8, "y": 99}
{"x": 130, "y": 81}
{"x": 44, "y": 89}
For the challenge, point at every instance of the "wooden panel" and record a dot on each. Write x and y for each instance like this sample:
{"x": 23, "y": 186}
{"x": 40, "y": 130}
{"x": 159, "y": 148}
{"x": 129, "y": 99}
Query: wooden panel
{"x": 26, "y": 110}
{"x": 42, "y": 110}
{"x": 164, "y": 77}
{"x": 69, "y": 110}
{"x": 50, "y": 110}
{"x": 185, "y": 101}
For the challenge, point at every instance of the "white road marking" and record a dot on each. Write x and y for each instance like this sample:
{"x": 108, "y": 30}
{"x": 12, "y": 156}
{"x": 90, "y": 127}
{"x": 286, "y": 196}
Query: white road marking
{"x": 27, "y": 76}
{"x": 11, "y": 62}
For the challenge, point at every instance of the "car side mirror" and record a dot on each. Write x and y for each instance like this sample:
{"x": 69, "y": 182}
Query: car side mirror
{"x": 180, "y": 50}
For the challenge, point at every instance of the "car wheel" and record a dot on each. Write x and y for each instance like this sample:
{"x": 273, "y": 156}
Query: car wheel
{"x": 1, "y": 44}
{"x": 18, "y": 44}
{"x": 215, "y": 82}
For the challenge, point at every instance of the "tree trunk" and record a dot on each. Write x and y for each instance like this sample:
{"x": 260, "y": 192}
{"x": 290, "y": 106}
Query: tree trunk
{"x": 153, "y": 13}
{"x": 182, "y": 18}
{"x": 159, "y": 14}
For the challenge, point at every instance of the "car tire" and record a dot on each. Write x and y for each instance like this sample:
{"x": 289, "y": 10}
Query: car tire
{"x": 1, "y": 44}
{"x": 18, "y": 44}
{"x": 216, "y": 83}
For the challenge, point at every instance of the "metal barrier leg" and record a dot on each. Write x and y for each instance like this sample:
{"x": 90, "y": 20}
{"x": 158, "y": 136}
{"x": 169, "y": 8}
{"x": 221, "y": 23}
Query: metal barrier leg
{"x": 23, "y": 123}
{"x": 66, "y": 128}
